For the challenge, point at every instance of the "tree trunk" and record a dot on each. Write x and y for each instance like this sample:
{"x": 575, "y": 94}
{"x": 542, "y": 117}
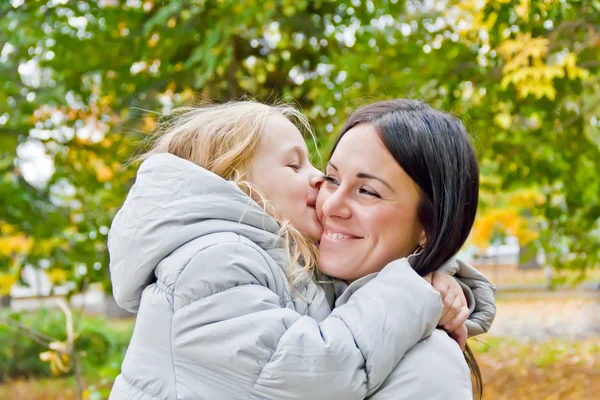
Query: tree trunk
{"x": 5, "y": 301}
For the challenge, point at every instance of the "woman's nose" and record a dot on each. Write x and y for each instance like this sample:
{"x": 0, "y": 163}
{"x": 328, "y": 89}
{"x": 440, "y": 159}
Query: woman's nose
{"x": 335, "y": 205}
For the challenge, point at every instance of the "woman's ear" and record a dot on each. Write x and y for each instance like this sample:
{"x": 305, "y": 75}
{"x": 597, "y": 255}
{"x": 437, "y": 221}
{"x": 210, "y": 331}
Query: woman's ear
{"x": 422, "y": 239}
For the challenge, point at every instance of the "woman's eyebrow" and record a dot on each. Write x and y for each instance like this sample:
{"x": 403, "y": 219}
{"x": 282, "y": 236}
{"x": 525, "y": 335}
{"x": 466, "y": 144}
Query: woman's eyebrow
{"x": 364, "y": 175}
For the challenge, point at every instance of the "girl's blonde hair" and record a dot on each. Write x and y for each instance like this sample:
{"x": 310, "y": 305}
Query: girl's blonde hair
{"x": 223, "y": 138}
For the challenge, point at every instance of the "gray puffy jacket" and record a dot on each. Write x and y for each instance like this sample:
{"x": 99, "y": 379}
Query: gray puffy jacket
{"x": 203, "y": 267}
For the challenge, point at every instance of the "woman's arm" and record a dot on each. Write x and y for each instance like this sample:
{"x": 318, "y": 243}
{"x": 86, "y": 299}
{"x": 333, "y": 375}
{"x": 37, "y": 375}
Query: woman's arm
{"x": 230, "y": 325}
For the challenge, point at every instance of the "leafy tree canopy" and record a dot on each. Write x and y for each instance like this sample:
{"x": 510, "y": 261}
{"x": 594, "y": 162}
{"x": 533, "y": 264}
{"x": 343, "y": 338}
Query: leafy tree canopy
{"x": 76, "y": 79}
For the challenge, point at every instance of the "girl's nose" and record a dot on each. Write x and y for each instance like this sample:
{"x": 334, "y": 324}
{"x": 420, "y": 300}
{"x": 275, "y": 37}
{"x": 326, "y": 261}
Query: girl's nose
{"x": 316, "y": 180}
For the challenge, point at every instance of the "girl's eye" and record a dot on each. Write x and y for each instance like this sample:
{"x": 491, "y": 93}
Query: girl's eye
{"x": 295, "y": 167}
{"x": 368, "y": 193}
{"x": 330, "y": 179}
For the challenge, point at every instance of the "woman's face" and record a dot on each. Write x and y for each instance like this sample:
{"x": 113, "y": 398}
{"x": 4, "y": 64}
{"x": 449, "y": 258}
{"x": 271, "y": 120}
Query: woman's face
{"x": 368, "y": 208}
{"x": 282, "y": 170}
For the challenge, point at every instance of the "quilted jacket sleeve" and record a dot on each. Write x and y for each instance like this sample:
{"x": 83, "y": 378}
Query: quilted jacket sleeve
{"x": 434, "y": 369}
{"x": 231, "y": 325}
{"x": 480, "y": 293}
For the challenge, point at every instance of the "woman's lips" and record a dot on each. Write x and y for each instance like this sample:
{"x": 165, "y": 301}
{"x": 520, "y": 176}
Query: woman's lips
{"x": 338, "y": 235}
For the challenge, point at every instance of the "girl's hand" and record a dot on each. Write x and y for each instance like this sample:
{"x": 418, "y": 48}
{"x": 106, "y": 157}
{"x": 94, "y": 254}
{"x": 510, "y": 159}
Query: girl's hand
{"x": 461, "y": 335}
{"x": 456, "y": 310}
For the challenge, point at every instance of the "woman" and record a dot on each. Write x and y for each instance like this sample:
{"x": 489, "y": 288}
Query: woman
{"x": 220, "y": 312}
{"x": 402, "y": 178}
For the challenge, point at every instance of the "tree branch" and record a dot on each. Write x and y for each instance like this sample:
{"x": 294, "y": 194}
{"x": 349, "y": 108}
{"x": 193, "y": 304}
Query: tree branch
{"x": 36, "y": 336}
{"x": 13, "y": 132}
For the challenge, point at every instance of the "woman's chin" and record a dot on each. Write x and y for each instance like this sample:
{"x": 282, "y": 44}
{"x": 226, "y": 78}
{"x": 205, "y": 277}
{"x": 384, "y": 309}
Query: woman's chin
{"x": 330, "y": 267}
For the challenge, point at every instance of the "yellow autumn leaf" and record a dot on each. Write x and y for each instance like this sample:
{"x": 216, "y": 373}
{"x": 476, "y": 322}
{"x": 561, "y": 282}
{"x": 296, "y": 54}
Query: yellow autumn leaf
{"x": 6, "y": 283}
{"x": 59, "y": 362}
{"x": 582, "y": 73}
{"x": 506, "y": 220}
{"x": 491, "y": 21}
{"x": 573, "y": 71}
{"x": 508, "y": 48}
{"x": 537, "y": 72}
{"x": 45, "y": 246}
{"x": 526, "y": 198}
{"x": 549, "y": 92}
{"x": 506, "y": 81}
{"x": 16, "y": 244}
{"x": 512, "y": 65}
{"x": 6, "y": 228}
{"x": 537, "y": 47}
{"x": 525, "y": 90}
{"x": 525, "y": 66}
{"x": 553, "y": 71}
{"x": 524, "y": 74}
{"x": 103, "y": 172}
{"x": 106, "y": 142}
{"x": 57, "y": 276}
{"x": 522, "y": 9}
{"x": 525, "y": 235}
{"x": 503, "y": 120}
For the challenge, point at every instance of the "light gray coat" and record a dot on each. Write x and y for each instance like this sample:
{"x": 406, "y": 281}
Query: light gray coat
{"x": 203, "y": 267}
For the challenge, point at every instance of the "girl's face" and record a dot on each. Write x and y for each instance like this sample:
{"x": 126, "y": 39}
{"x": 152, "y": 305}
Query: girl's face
{"x": 282, "y": 171}
{"x": 368, "y": 208}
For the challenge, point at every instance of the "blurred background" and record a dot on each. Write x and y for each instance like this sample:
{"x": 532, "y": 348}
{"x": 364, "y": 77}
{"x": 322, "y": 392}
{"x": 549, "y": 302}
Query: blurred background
{"x": 82, "y": 83}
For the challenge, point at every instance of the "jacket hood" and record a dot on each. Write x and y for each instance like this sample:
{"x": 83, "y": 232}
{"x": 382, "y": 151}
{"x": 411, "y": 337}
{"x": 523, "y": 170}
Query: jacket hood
{"x": 172, "y": 202}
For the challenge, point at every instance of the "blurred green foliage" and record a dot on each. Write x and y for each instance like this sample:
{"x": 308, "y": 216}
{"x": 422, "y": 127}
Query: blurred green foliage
{"x": 100, "y": 346}
{"x": 76, "y": 79}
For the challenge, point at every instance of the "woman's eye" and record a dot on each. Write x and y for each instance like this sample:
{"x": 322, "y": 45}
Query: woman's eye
{"x": 330, "y": 179}
{"x": 368, "y": 193}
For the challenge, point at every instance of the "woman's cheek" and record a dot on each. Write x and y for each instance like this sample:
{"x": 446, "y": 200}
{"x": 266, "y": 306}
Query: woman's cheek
{"x": 321, "y": 197}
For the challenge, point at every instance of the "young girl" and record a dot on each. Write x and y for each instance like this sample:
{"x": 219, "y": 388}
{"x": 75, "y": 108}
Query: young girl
{"x": 214, "y": 249}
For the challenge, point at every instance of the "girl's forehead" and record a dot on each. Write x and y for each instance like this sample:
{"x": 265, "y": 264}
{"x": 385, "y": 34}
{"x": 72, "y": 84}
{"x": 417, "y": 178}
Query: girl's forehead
{"x": 281, "y": 133}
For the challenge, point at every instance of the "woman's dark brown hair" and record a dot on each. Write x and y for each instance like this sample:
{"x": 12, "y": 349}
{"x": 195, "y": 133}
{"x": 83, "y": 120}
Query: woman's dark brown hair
{"x": 434, "y": 149}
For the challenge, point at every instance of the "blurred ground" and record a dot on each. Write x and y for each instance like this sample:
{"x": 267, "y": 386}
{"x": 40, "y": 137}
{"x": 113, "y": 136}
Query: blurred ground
{"x": 554, "y": 369}
{"x": 539, "y": 316}
{"x": 542, "y": 346}
{"x": 46, "y": 389}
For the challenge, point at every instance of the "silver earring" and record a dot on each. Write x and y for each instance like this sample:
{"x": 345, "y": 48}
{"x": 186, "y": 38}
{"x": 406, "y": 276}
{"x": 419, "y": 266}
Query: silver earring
{"x": 415, "y": 253}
